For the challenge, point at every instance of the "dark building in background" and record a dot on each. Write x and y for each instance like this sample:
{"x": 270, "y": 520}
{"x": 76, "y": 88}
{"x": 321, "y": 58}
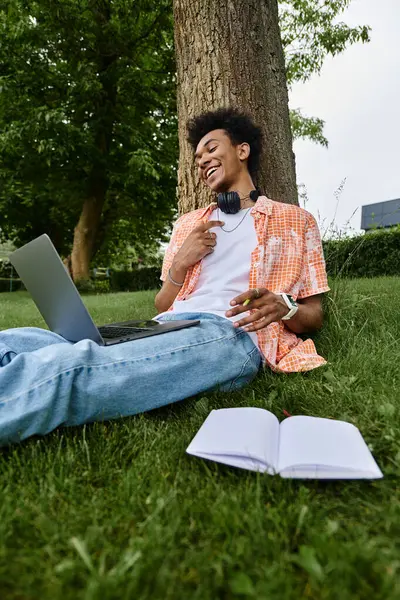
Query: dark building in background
{"x": 381, "y": 214}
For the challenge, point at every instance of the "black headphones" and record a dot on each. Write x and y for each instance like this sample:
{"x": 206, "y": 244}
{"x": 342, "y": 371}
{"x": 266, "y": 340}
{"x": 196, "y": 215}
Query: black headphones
{"x": 229, "y": 202}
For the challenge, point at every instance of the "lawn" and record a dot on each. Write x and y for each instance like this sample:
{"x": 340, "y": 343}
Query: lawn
{"x": 117, "y": 510}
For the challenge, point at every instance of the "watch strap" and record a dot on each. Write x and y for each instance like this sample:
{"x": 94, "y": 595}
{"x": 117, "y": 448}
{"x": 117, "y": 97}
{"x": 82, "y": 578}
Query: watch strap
{"x": 291, "y": 304}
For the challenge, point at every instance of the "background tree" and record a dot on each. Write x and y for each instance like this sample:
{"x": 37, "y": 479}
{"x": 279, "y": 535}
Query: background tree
{"x": 88, "y": 143}
{"x": 230, "y": 53}
{"x": 73, "y": 71}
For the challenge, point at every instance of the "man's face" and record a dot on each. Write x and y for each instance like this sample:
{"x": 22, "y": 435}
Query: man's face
{"x": 219, "y": 162}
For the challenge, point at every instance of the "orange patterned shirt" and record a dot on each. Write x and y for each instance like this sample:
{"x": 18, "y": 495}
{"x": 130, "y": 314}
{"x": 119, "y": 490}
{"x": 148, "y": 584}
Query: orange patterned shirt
{"x": 288, "y": 258}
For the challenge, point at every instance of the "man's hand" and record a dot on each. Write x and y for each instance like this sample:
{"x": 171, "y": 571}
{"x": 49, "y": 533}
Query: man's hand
{"x": 268, "y": 307}
{"x": 198, "y": 244}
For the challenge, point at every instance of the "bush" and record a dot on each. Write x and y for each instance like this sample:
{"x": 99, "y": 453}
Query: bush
{"x": 147, "y": 278}
{"x": 5, "y": 269}
{"x": 102, "y": 286}
{"x": 16, "y": 285}
{"x": 86, "y": 286}
{"x": 93, "y": 286}
{"x": 370, "y": 255}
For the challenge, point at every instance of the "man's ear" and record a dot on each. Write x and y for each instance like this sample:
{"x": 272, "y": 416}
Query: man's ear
{"x": 243, "y": 151}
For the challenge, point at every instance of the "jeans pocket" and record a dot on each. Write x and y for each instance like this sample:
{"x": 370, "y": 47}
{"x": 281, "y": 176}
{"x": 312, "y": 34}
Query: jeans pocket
{"x": 248, "y": 372}
{"x": 6, "y": 355}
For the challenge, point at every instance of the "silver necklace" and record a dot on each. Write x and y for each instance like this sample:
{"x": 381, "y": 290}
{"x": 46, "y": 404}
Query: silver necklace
{"x": 236, "y": 226}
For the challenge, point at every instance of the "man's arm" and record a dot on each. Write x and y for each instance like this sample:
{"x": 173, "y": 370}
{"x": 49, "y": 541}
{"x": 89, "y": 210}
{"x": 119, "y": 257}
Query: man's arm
{"x": 166, "y": 296}
{"x": 268, "y": 308}
{"x": 309, "y": 316}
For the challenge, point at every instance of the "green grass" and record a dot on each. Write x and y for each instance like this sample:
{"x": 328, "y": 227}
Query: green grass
{"x": 119, "y": 511}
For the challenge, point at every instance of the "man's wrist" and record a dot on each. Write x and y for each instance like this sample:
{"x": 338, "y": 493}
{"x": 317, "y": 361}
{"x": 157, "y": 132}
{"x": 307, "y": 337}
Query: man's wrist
{"x": 178, "y": 272}
{"x": 291, "y": 305}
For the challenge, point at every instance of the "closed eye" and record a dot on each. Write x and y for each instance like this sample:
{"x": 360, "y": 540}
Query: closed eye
{"x": 197, "y": 158}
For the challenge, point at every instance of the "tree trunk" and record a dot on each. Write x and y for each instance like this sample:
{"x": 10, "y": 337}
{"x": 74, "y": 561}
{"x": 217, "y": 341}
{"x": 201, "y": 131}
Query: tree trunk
{"x": 85, "y": 233}
{"x": 229, "y": 53}
{"x": 87, "y": 229}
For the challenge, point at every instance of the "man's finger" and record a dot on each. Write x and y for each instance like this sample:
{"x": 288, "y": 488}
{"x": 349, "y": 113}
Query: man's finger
{"x": 267, "y": 320}
{"x": 245, "y": 307}
{"x": 249, "y": 295}
{"x": 211, "y": 224}
{"x": 250, "y": 319}
{"x": 241, "y": 298}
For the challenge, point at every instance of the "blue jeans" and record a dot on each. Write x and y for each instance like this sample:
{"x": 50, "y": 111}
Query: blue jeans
{"x": 46, "y": 381}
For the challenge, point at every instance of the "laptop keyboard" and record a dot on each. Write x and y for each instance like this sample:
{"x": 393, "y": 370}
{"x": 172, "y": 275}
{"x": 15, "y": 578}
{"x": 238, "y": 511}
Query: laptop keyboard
{"x": 116, "y": 332}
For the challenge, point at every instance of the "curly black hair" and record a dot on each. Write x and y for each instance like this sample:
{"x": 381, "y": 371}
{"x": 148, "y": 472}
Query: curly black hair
{"x": 238, "y": 125}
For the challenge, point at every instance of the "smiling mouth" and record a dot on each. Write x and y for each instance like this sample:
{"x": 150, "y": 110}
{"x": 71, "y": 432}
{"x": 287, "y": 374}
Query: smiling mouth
{"x": 210, "y": 172}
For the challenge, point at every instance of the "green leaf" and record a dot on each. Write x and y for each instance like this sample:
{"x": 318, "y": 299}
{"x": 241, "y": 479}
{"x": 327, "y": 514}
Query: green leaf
{"x": 308, "y": 127}
{"x": 81, "y": 549}
{"x": 242, "y": 585}
{"x": 387, "y": 409}
{"x": 307, "y": 560}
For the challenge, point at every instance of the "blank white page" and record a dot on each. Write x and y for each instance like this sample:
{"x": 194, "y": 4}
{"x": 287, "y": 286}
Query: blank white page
{"x": 242, "y": 437}
{"x": 325, "y": 449}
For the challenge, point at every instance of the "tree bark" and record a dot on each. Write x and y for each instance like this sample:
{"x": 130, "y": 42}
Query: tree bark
{"x": 229, "y": 53}
{"x": 86, "y": 231}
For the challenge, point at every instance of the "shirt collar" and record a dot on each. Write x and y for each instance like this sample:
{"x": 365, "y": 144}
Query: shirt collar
{"x": 263, "y": 205}
{"x": 208, "y": 210}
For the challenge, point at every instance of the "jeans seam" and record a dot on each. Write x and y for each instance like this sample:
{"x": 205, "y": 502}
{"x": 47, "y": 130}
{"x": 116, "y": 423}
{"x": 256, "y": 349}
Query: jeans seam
{"x": 249, "y": 357}
{"x": 116, "y": 362}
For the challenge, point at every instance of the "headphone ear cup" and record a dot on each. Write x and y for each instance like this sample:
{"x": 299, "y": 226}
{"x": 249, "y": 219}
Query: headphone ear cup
{"x": 254, "y": 194}
{"x": 234, "y": 202}
{"x": 229, "y": 202}
{"x": 221, "y": 201}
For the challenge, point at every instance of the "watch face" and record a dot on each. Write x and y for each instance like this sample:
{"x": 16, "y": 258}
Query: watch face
{"x": 292, "y": 306}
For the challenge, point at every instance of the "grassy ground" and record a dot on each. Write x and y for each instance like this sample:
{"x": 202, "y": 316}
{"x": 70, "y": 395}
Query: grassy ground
{"x": 118, "y": 510}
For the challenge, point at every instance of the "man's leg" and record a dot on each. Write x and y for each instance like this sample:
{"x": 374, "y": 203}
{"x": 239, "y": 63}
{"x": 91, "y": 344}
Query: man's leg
{"x": 25, "y": 339}
{"x": 71, "y": 384}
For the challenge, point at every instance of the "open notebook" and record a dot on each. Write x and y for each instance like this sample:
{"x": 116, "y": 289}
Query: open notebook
{"x": 299, "y": 447}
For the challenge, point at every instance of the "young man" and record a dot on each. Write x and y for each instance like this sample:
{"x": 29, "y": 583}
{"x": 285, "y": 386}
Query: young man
{"x": 238, "y": 271}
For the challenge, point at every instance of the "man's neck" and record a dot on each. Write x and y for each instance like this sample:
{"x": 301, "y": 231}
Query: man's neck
{"x": 243, "y": 188}
{"x": 246, "y": 201}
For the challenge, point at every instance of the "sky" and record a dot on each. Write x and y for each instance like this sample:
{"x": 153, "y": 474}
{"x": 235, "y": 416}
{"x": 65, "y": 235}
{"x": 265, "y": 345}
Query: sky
{"x": 357, "y": 94}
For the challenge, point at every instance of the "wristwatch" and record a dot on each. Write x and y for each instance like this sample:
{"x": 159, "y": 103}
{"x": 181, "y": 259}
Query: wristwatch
{"x": 291, "y": 304}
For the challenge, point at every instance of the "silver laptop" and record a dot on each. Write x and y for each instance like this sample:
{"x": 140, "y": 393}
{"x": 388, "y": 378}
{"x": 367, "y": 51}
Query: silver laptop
{"x": 54, "y": 293}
